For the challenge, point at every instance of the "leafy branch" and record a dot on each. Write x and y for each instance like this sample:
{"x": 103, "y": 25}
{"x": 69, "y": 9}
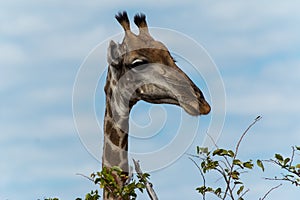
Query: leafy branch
{"x": 228, "y": 166}
{"x": 291, "y": 171}
{"x": 107, "y": 180}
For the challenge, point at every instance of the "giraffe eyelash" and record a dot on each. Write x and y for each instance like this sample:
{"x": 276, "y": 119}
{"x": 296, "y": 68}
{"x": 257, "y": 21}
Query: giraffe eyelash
{"x": 138, "y": 62}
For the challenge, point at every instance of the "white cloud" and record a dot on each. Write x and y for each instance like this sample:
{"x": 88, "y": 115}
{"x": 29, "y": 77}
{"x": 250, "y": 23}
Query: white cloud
{"x": 286, "y": 71}
{"x": 40, "y": 168}
{"x": 272, "y": 90}
{"x": 236, "y": 33}
{"x": 249, "y": 14}
{"x": 24, "y": 25}
{"x": 49, "y": 95}
{"x": 11, "y": 54}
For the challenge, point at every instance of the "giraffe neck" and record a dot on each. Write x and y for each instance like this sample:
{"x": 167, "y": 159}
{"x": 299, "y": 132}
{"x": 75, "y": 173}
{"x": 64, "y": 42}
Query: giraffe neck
{"x": 115, "y": 138}
{"x": 116, "y": 124}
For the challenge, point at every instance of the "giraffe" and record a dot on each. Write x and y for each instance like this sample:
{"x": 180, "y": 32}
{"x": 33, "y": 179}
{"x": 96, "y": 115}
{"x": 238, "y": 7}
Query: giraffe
{"x": 140, "y": 68}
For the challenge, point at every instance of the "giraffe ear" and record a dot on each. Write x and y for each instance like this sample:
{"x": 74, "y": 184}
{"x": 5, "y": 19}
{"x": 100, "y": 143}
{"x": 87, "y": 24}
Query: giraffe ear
{"x": 114, "y": 54}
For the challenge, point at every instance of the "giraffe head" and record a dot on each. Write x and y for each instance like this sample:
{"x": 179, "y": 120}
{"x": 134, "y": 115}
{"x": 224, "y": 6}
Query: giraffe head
{"x": 142, "y": 68}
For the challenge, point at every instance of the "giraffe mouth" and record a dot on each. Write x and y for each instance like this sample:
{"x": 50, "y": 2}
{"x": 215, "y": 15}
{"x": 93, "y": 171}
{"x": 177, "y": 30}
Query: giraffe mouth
{"x": 196, "y": 108}
{"x": 191, "y": 100}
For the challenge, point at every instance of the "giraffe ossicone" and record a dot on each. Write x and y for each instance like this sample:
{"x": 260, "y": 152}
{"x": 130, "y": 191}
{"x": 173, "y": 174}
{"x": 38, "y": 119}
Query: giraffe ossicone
{"x": 141, "y": 68}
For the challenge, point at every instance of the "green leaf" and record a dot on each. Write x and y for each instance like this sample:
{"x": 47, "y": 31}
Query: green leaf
{"x": 93, "y": 195}
{"x": 235, "y": 175}
{"x": 93, "y": 175}
{"x": 97, "y": 180}
{"x": 260, "y": 164}
{"x": 248, "y": 165}
{"x": 116, "y": 168}
{"x": 240, "y": 190}
{"x": 201, "y": 150}
{"x": 223, "y": 152}
{"x": 286, "y": 161}
{"x": 231, "y": 153}
{"x": 298, "y": 148}
{"x": 219, "y": 152}
{"x": 238, "y": 162}
{"x": 218, "y": 191}
{"x": 279, "y": 157}
{"x": 202, "y": 164}
{"x": 298, "y": 166}
{"x": 201, "y": 190}
{"x": 140, "y": 185}
{"x": 146, "y": 176}
{"x": 52, "y": 199}
{"x": 238, "y": 182}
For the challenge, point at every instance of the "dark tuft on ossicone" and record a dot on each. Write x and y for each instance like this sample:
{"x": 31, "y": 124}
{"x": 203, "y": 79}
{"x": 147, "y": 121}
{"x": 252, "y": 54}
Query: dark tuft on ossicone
{"x": 122, "y": 16}
{"x": 140, "y": 20}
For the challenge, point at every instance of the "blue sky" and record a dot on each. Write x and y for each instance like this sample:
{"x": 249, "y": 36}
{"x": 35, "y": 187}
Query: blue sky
{"x": 255, "y": 46}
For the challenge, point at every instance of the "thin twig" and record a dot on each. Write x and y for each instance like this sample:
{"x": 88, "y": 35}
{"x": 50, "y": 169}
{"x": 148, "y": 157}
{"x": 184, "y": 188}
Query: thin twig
{"x": 109, "y": 189}
{"x": 292, "y": 157}
{"x": 89, "y": 178}
{"x": 283, "y": 167}
{"x": 273, "y": 188}
{"x": 235, "y": 154}
{"x": 149, "y": 188}
{"x": 203, "y": 178}
{"x": 227, "y": 164}
{"x": 212, "y": 139}
{"x": 198, "y": 169}
{"x": 243, "y": 135}
{"x": 192, "y": 155}
{"x": 245, "y": 193}
{"x": 282, "y": 179}
{"x": 130, "y": 176}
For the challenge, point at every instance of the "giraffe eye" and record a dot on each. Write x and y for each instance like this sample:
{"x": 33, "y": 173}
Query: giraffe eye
{"x": 138, "y": 62}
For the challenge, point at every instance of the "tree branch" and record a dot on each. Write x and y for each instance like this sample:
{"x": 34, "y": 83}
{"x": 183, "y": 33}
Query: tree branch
{"x": 202, "y": 175}
{"x": 78, "y": 174}
{"x": 235, "y": 154}
{"x": 243, "y": 135}
{"x": 273, "y": 188}
{"x": 149, "y": 188}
